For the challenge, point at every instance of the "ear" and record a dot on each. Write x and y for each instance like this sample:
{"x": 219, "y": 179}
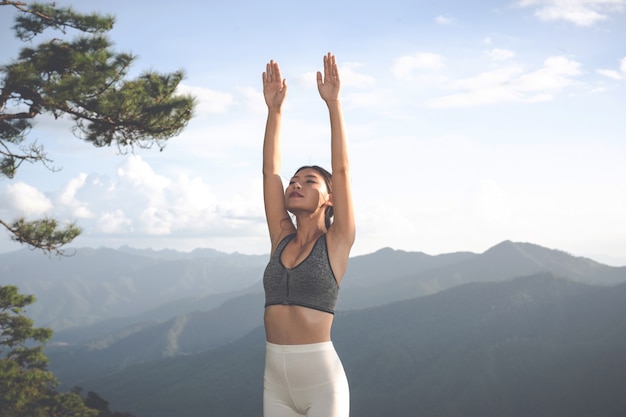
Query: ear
{"x": 330, "y": 200}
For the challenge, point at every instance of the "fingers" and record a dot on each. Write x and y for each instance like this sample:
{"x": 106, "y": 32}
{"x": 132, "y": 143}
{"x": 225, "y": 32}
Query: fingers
{"x": 331, "y": 71}
{"x": 272, "y": 73}
{"x": 327, "y": 69}
{"x": 275, "y": 71}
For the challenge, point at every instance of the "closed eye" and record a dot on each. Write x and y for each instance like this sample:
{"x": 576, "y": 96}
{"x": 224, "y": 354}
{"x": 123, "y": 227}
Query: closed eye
{"x": 309, "y": 179}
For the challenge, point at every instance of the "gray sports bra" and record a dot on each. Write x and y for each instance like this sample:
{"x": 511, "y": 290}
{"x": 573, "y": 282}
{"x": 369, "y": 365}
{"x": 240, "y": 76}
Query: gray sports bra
{"x": 311, "y": 283}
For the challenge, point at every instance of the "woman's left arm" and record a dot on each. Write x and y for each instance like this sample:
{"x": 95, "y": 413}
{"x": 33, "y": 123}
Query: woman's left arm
{"x": 343, "y": 227}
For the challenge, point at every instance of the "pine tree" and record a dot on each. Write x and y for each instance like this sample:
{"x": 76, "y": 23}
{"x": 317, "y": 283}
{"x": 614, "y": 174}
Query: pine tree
{"x": 27, "y": 388}
{"x": 83, "y": 79}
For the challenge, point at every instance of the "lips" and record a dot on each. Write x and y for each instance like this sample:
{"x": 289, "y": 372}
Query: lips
{"x": 295, "y": 194}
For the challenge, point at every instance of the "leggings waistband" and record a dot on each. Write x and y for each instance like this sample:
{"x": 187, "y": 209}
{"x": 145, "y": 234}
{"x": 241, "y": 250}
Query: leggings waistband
{"x": 310, "y": 347}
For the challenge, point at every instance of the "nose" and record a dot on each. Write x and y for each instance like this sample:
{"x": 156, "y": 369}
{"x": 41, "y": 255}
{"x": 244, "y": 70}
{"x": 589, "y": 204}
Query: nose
{"x": 297, "y": 185}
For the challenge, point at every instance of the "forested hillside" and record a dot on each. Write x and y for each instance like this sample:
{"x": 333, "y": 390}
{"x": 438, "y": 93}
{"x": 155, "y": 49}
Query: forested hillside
{"x": 537, "y": 345}
{"x": 517, "y": 330}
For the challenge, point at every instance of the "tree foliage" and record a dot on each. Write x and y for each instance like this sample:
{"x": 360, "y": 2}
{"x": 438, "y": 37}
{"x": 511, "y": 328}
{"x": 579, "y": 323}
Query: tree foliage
{"x": 83, "y": 79}
{"x": 27, "y": 388}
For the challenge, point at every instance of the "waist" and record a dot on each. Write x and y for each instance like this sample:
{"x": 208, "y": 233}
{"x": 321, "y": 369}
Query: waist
{"x": 304, "y": 348}
{"x": 296, "y": 325}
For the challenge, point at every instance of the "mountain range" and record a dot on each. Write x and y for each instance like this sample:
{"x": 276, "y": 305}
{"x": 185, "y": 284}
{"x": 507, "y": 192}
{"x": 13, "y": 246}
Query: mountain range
{"x": 531, "y": 346}
{"x": 163, "y": 333}
{"x": 94, "y": 285}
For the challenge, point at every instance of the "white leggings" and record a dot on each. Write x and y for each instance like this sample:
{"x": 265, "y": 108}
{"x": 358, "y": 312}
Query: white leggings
{"x": 304, "y": 380}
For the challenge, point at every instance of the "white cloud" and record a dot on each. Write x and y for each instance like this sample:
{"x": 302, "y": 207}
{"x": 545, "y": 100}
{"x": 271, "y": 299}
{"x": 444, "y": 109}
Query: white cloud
{"x": 405, "y": 67}
{"x": 579, "y": 12}
{"x": 24, "y": 199}
{"x": 208, "y": 101}
{"x": 618, "y": 74}
{"x": 139, "y": 175}
{"x": 160, "y": 205}
{"x": 497, "y": 54}
{"x": 113, "y": 222}
{"x": 610, "y": 74}
{"x": 253, "y": 99}
{"x": 68, "y": 198}
{"x": 486, "y": 88}
{"x": 350, "y": 77}
{"x": 156, "y": 221}
{"x": 140, "y": 201}
{"x": 511, "y": 84}
{"x": 557, "y": 73}
{"x": 443, "y": 20}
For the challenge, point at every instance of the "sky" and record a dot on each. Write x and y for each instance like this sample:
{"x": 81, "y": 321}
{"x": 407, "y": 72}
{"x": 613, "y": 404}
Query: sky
{"x": 469, "y": 123}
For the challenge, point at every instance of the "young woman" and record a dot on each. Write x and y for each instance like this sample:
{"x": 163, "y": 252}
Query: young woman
{"x": 303, "y": 374}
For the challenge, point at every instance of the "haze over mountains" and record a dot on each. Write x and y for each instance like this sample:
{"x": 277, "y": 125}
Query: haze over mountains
{"x": 515, "y": 331}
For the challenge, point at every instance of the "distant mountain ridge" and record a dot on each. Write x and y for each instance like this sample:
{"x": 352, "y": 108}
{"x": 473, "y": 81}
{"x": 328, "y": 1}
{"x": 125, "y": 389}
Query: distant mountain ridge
{"x": 536, "y": 345}
{"x": 201, "y": 323}
{"x": 501, "y": 262}
{"x": 506, "y": 332}
{"x": 99, "y": 284}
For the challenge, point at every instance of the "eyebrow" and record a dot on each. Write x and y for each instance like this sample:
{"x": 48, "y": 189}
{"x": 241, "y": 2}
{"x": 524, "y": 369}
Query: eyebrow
{"x": 306, "y": 176}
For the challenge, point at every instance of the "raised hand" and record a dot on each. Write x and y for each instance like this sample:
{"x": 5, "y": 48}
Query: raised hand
{"x": 274, "y": 86}
{"x": 330, "y": 84}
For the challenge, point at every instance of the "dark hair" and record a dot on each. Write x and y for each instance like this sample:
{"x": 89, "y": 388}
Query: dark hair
{"x": 328, "y": 179}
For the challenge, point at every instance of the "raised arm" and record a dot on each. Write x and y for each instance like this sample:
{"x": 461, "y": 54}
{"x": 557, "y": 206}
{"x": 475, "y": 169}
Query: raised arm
{"x": 342, "y": 231}
{"x": 278, "y": 221}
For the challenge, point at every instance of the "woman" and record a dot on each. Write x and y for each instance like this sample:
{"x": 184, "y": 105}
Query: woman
{"x": 303, "y": 374}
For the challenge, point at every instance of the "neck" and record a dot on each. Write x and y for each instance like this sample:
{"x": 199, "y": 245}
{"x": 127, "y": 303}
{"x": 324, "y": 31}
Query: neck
{"x": 309, "y": 229}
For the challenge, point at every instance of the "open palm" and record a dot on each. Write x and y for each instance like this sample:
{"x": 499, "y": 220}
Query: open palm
{"x": 274, "y": 87}
{"x": 330, "y": 84}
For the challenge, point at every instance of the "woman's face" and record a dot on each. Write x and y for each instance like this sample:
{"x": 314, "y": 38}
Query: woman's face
{"x": 306, "y": 191}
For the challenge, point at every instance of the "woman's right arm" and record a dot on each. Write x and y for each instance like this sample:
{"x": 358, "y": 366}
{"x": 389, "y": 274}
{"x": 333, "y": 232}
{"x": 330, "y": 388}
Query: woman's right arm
{"x": 278, "y": 221}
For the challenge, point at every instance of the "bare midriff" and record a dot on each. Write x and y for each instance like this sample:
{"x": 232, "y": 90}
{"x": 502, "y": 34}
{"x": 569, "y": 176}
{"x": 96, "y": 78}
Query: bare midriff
{"x": 296, "y": 325}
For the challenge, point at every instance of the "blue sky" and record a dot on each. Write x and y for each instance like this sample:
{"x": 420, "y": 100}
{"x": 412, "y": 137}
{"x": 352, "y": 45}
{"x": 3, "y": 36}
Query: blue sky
{"x": 469, "y": 123}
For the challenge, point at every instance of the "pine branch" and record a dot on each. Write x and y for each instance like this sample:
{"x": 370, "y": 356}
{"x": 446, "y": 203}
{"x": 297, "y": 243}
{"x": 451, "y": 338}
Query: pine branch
{"x": 43, "y": 234}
